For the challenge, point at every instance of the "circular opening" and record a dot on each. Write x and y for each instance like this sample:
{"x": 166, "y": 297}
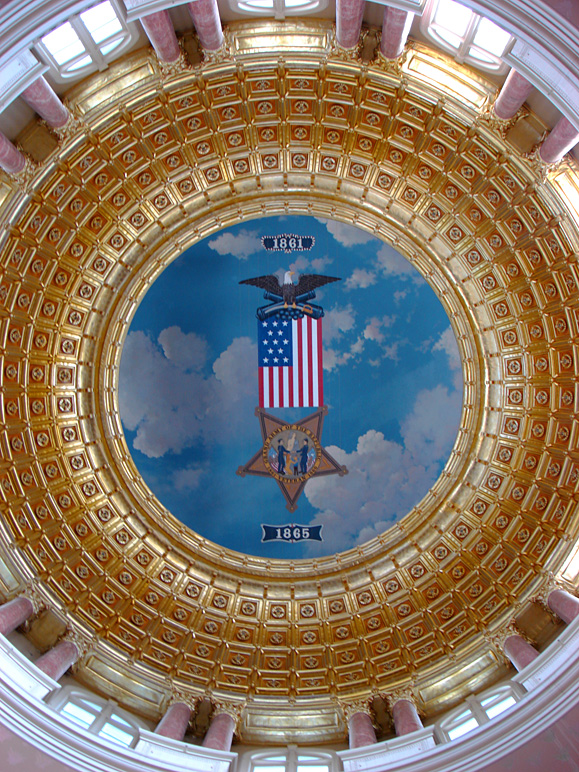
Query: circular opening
{"x": 391, "y": 381}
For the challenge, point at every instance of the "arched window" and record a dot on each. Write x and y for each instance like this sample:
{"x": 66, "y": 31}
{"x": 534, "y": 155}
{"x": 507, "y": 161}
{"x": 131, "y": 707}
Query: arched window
{"x": 469, "y": 37}
{"x": 292, "y": 759}
{"x": 86, "y": 42}
{"x": 98, "y": 716}
{"x": 476, "y": 711}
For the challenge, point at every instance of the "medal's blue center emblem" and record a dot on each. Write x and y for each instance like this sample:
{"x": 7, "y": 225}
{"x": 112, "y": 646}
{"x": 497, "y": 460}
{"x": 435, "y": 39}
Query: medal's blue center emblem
{"x": 292, "y": 453}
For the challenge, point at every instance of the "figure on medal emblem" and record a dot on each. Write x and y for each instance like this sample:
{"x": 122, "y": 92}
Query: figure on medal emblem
{"x": 282, "y": 452}
{"x": 304, "y": 450}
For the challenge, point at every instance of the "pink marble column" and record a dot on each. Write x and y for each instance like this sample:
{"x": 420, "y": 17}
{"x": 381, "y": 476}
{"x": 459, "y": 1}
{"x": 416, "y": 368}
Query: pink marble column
{"x": 514, "y": 93}
{"x": 207, "y": 23}
{"x": 11, "y": 159}
{"x": 519, "y": 651}
{"x": 161, "y": 33}
{"x": 57, "y": 660}
{"x": 175, "y": 721}
{"x": 349, "y": 15}
{"x": 562, "y": 137}
{"x": 565, "y": 605}
{"x": 43, "y": 100}
{"x": 14, "y": 613}
{"x": 406, "y": 718}
{"x": 219, "y": 736}
{"x": 360, "y": 730}
{"x": 395, "y": 28}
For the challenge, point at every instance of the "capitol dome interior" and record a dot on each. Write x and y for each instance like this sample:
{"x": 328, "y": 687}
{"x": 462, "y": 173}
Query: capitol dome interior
{"x": 132, "y": 130}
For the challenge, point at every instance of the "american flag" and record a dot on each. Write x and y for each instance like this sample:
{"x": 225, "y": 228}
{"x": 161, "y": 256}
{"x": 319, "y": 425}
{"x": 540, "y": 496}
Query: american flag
{"x": 290, "y": 362}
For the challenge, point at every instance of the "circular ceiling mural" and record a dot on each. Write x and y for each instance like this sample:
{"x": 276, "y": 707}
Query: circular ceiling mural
{"x": 190, "y": 385}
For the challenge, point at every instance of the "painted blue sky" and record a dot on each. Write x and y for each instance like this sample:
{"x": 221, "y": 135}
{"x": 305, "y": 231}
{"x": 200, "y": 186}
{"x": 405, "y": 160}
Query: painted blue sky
{"x": 188, "y": 387}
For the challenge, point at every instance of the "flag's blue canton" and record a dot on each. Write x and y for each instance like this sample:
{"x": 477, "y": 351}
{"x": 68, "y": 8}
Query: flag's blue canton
{"x": 274, "y": 344}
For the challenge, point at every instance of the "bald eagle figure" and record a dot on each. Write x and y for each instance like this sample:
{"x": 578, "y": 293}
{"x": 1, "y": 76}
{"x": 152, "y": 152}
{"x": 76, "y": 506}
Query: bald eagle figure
{"x": 289, "y": 292}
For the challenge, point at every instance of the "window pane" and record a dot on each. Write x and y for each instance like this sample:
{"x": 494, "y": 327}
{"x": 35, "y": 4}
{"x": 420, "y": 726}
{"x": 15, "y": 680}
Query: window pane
{"x": 458, "y": 731}
{"x": 453, "y": 16}
{"x": 481, "y": 56}
{"x": 116, "y": 735}
{"x": 78, "y": 715}
{"x": 118, "y": 721}
{"x": 96, "y": 706}
{"x": 500, "y": 707}
{"x": 84, "y": 62}
{"x": 491, "y": 38}
{"x": 296, "y": 3}
{"x": 312, "y": 768}
{"x": 449, "y": 37}
{"x": 269, "y": 768}
{"x": 106, "y": 49}
{"x": 259, "y": 3}
{"x": 101, "y": 21}
{"x": 63, "y": 43}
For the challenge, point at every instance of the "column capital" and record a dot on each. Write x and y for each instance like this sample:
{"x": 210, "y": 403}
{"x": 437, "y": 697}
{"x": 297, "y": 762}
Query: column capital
{"x": 175, "y": 696}
{"x": 23, "y": 179}
{"x": 178, "y": 67}
{"x": 31, "y": 592}
{"x": 392, "y": 65}
{"x": 357, "y": 706}
{"x": 551, "y": 583}
{"x": 74, "y": 124}
{"x": 497, "y": 638}
{"x": 85, "y": 645}
{"x": 231, "y": 709}
{"x": 501, "y": 125}
{"x": 221, "y": 54}
{"x": 404, "y": 693}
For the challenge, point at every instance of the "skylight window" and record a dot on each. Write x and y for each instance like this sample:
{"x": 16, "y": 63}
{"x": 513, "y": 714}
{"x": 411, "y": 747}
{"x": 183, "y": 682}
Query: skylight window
{"x": 470, "y": 37}
{"x": 292, "y": 761}
{"x": 85, "y": 42}
{"x": 95, "y": 715}
{"x": 477, "y": 712}
{"x": 278, "y": 8}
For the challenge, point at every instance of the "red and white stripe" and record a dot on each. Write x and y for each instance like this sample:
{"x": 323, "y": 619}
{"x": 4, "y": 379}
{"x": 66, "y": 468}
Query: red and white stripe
{"x": 302, "y": 384}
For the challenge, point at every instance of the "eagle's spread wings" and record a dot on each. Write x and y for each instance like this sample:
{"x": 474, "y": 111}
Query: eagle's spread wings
{"x": 311, "y": 281}
{"x": 268, "y": 283}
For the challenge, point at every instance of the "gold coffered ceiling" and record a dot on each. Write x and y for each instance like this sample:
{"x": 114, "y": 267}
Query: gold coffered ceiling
{"x": 285, "y": 123}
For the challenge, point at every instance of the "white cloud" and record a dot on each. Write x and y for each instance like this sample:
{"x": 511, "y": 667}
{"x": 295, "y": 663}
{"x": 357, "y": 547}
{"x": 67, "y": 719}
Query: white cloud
{"x": 357, "y": 346}
{"x": 319, "y": 263}
{"x": 360, "y": 279}
{"x": 337, "y": 321}
{"x": 399, "y": 296}
{"x": 385, "y": 478}
{"x": 375, "y": 326}
{"x": 169, "y": 406}
{"x": 346, "y": 235}
{"x": 391, "y": 263}
{"x": 383, "y": 483}
{"x": 447, "y": 343}
{"x": 334, "y": 359}
{"x": 300, "y": 264}
{"x": 391, "y": 352}
{"x": 188, "y": 478}
{"x": 430, "y": 429}
{"x": 186, "y": 350}
{"x": 241, "y": 246}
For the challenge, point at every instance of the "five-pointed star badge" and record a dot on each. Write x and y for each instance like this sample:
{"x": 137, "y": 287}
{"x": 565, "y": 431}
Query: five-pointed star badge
{"x": 292, "y": 454}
